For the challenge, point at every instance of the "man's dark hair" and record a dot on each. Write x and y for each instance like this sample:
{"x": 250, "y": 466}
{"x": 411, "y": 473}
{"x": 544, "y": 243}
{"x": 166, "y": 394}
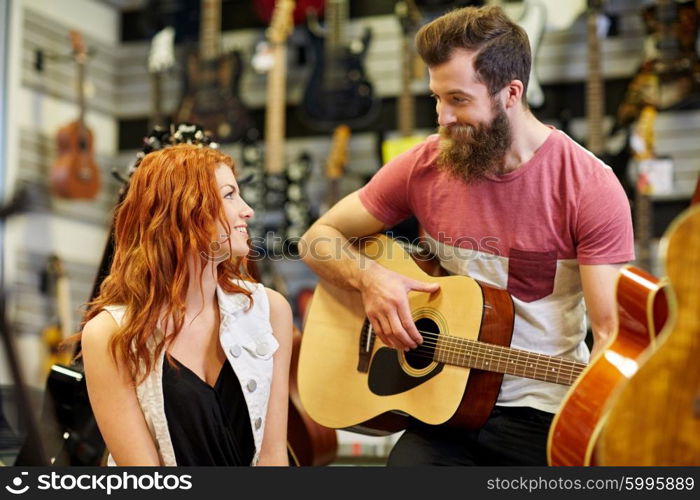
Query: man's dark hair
{"x": 501, "y": 46}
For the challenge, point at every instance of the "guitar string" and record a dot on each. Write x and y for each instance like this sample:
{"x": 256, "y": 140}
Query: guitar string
{"x": 463, "y": 346}
{"x": 537, "y": 370}
{"x": 567, "y": 368}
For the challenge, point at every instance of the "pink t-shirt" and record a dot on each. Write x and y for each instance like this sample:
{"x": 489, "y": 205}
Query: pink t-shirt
{"x": 526, "y": 231}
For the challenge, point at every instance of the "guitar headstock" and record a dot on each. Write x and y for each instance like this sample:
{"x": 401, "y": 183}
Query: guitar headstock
{"x": 282, "y": 22}
{"x": 79, "y": 49}
{"x": 161, "y": 56}
{"x": 338, "y": 156}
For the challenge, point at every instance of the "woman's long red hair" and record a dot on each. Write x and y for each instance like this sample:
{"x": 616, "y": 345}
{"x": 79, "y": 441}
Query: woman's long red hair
{"x": 170, "y": 213}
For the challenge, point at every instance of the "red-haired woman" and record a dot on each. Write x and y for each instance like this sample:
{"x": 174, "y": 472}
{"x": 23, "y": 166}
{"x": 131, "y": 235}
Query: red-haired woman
{"x": 187, "y": 362}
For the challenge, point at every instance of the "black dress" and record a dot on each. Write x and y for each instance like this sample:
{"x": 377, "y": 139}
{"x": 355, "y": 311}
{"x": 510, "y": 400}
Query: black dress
{"x": 208, "y": 425}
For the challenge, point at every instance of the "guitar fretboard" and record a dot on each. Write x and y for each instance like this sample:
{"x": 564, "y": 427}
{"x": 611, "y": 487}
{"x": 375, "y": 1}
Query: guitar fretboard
{"x": 210, "y": 30}
{"x": 494, "y": 358}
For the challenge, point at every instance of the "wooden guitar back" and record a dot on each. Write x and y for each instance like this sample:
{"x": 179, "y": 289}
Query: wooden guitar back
{"x": 655, "y": 418}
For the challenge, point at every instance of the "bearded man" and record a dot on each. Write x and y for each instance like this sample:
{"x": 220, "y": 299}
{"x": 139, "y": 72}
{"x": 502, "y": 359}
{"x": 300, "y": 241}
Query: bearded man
{"x": 505, "y": 199}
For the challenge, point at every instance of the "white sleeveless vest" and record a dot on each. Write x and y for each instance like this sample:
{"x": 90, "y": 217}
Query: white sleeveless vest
{"x": 246, "y": 338}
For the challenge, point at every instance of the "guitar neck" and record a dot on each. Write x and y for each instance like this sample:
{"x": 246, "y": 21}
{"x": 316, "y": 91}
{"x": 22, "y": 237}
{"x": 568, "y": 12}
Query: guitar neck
{"x": 81, "y": 92}
{"x": 406, "y": 115}
{"x": 494, "y": 358}
{"x": 336, "y": 21}
{"x": 157, "y": 86}
{"x": 594, "y": 87}
{"x": 210, "y": 30}
{"x": 275, "y": 111}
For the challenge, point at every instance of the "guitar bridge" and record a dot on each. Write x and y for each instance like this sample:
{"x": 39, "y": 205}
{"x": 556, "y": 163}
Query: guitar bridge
{"x": 365, "y": 348}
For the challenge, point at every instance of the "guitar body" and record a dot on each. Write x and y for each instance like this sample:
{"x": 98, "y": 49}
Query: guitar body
{"x": 642, "y": 312}
{"x": 308, "y": 443}
{"x": 654, "y": 419}
{"x": 74, "y": 174}
{"x": 211, "y": 98}
{"x": 349, "y": 379}
{"x": 338, "y": 91}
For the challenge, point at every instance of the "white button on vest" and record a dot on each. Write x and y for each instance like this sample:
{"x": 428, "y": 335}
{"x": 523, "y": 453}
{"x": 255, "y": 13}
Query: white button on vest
{"x": 262, "y": 348}
{"x": 252, "y": 385}
{"x": 235, "y": 351}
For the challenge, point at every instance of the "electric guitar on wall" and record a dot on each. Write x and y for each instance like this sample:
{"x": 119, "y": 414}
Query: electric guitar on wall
{"x": 74, "y": 174}
{"x": 338, "y": 90}
{"x": 211, "y": 96}
{"x": 349, "y": 379}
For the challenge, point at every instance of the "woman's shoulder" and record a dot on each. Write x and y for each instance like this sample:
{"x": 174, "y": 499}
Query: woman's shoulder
{"x": 98, "y": 331}
{"x": 278, "y": 302}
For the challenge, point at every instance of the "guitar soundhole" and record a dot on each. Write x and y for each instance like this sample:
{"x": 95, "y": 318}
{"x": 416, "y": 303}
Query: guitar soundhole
{"x": 422, "y": 356}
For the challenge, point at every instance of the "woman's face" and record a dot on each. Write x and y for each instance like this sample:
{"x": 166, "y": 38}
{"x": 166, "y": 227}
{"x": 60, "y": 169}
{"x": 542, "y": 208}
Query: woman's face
{"x": 237, "y": 213}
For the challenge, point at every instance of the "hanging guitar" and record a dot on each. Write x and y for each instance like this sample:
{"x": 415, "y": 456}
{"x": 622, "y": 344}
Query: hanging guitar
{"x": 307, "y": 442}
{"x": 338, "y": 90}
{"x": 410, "y": 20}
{"x": 74, "y": 174}
{"x": 349, "y": 379}
{"x": 55, "y": 285}
{"x": 642, "y": 312}
{"x": 211, "y": 88}
{"x": 654, "y": 419}
{"x": 669, "y": 74}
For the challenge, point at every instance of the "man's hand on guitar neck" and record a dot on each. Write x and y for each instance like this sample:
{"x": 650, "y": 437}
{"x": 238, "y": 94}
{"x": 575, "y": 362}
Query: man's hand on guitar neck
{"x": 385, "y": 297}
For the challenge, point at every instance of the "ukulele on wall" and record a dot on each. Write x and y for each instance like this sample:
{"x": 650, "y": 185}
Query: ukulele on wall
{"x": 211, "y": 98}
{"x": 74, "y": 174}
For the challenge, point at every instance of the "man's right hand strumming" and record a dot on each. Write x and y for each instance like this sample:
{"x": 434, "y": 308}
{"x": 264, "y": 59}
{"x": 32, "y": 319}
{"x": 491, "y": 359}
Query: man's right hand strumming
{"x": 384, "y": 292}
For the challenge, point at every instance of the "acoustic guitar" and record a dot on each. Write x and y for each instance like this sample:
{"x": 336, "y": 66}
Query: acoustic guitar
{"x": 349, "y": 379}
{"x": 74, "y": 174}
{"x": 642, "y": 312}
{"x": 338, "y": 90}
{"x": 654, "y": 419}
{"x": 211, "y": 97}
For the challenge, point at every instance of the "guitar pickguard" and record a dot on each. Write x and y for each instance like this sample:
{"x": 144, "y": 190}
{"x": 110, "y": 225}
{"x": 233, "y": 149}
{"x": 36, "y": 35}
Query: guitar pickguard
{"x": 387, "y": 376}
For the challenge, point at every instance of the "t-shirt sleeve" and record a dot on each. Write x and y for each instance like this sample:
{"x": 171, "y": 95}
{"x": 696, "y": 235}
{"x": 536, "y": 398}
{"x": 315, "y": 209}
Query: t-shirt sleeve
{"x": 385, "y": 196}
{"x": 604, "y": 227}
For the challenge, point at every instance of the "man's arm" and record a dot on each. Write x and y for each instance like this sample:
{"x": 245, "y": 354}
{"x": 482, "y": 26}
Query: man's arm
{"x": 599, "y": 284}
{"x": 325, "y": 249}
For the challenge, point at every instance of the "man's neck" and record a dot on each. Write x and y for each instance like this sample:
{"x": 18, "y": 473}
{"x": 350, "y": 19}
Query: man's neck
{"x": 528, "y": 136}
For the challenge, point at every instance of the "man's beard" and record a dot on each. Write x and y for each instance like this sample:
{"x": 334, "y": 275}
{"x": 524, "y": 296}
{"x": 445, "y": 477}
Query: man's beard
{"x": 470, "y": 152}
